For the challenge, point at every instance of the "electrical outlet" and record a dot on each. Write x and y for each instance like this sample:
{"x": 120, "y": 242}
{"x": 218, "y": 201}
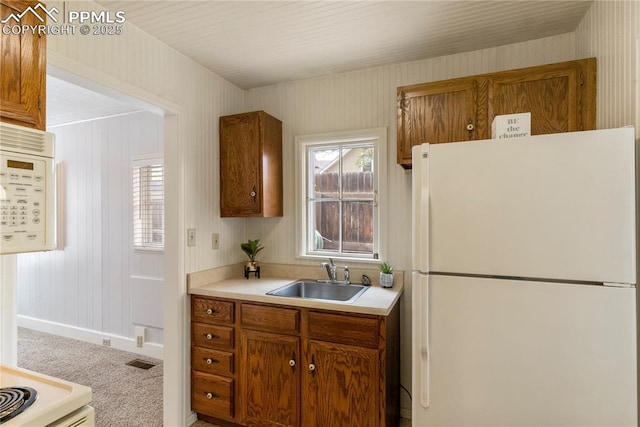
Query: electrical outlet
{"x": 106, "y": 342}
{"x": 191, "y": 237}
{"x": 141, "y": 331}
{"x": 215, "y": 241}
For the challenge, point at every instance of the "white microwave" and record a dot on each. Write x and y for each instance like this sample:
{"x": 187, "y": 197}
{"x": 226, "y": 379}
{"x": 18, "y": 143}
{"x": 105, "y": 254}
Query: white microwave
{"x": 27, "y": 204}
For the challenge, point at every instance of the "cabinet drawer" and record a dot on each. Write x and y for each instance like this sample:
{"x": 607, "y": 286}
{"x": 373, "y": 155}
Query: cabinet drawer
{"x": 212, "y": 395}
{"x": 344, "y": 329}
{"x": 276, "y": 319}
{"x": 212, "y": 336}
{"x": 212, "y": 361}
{"x": 210, "y": 310}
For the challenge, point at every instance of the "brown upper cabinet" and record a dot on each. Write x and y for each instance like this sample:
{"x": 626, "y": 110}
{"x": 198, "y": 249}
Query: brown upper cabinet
{"x": 250, "y": 165}
{"x": 22, "y": 70}
{"x": 560, "y": 97}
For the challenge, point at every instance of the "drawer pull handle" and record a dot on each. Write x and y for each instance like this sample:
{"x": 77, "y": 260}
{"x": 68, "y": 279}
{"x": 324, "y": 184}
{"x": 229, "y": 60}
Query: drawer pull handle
{"x": 212, "y": 395}
{"x": 292, "y": 363}
{"x": 312, "y": 367}
{"x": 211, "y": 336}
{"x": 211, "y": 311}
{"x": 210, "y": 361}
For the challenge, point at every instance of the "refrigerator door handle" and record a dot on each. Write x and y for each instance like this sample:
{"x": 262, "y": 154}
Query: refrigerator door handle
{"x": 420, "y": 205}
{"x": 422, "y": 308}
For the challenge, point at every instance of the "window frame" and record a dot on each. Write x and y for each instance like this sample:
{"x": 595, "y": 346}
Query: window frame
{"x": 303, "y": 143}
{"x": 138, "y": 163}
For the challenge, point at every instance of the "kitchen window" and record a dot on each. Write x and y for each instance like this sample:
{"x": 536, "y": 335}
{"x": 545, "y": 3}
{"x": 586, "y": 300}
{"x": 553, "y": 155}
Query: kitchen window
{"x": 148, "y": 204}
{"x": 341, "y": 194}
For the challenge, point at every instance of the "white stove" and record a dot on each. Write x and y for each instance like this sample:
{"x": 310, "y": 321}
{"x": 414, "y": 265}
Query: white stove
{"x": 58, "y": 403}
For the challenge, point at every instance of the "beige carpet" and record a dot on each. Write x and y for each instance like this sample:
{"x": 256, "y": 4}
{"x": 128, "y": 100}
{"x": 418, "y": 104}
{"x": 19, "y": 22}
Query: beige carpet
{"x": 123, "y": 396}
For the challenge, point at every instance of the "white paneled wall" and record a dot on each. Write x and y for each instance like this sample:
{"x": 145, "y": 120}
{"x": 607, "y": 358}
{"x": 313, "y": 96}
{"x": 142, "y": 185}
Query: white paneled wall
{"x": 143, "y": 62}
{"x": 88, "y": 284}
{"x": 154, "y": 70}
{"x": 347, "y": 101}
{"x": 65, "y": 286}
{"x": 366, "y": 99}
{"x": 124, "y": 139}
{"x": 609, "y": 32}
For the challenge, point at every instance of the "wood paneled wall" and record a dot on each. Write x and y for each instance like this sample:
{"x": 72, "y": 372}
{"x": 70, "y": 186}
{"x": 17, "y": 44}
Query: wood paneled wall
{"x": 66, "y": 286}
{"x": 609, "y": 32}
{"x": 88, "y": 284}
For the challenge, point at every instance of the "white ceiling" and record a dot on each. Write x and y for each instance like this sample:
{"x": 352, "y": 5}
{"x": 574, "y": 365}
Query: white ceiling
{"x": 258, "y": 43}
{"x": 70, "y": 103}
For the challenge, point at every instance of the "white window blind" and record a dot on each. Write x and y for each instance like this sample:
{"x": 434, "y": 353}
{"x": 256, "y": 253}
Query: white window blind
{"x": 148, "y": 204}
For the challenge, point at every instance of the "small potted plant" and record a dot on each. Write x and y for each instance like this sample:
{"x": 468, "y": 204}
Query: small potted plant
{"x": 386, "y": 275}
{"x": 251, "y": 248}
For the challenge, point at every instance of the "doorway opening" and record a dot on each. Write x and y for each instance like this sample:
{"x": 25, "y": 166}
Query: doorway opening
{"x": 84, "y": 307}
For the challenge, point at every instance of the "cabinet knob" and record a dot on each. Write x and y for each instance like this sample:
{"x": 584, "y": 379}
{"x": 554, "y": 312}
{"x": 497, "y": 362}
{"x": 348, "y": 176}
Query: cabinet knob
{"x": 292, "y": 363}
{"x": 211, "y": 311}
{"x": 469, "y": 126}
{"x": 211, "y": 336}
{"x": 211, "y": 395}
{"x": 210, "y": 361}
{"x": 312, "y": 366}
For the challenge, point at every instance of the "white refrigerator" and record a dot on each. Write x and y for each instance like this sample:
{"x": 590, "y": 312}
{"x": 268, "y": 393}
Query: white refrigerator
{"x": 524, "y": 281}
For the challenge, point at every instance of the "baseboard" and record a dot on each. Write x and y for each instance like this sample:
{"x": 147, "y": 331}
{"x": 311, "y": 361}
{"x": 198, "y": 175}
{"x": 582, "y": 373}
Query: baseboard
{"x": 192, "y": 418}
{"x": 94, "y": 337}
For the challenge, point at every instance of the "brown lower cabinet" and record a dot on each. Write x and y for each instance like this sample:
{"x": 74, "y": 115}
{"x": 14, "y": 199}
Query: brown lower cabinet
{"x": 275, "y": 365}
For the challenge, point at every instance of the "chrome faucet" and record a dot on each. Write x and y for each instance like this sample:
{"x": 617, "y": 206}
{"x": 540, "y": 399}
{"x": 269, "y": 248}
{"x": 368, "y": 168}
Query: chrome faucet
{"x": 332, "y": 272}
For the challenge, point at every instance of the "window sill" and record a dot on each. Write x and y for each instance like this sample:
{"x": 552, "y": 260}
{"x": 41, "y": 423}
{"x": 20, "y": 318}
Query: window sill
{"x": 149, "y": 250}
{"x": 339, "y": 259}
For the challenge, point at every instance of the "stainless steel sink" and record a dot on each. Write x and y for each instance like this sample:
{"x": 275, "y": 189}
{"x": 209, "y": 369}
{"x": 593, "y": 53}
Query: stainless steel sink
{"x": 320, "y": 290}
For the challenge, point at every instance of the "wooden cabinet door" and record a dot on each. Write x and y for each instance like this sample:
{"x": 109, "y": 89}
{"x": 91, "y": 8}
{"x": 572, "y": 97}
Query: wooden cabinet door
{"x": 22, "y": 70}
{"x": 240, "y": 168}
{"x": 560, "y": 97}
{"x": 443, "y": 111}
{"x": 250, "y": 165}
{"x": 340, "y": 386}
{"x": 270, "y": 385}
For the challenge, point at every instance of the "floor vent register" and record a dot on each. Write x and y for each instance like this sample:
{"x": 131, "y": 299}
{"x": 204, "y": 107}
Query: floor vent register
{"x": 137, "y": 363}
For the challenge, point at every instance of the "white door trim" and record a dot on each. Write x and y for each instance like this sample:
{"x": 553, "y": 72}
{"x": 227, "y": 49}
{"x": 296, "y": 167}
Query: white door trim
{"x": 176, "y": 337}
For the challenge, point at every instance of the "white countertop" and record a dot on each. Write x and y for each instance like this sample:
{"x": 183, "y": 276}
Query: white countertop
{"x": 56, "y": 398}
{"x": 375, "y": 300}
